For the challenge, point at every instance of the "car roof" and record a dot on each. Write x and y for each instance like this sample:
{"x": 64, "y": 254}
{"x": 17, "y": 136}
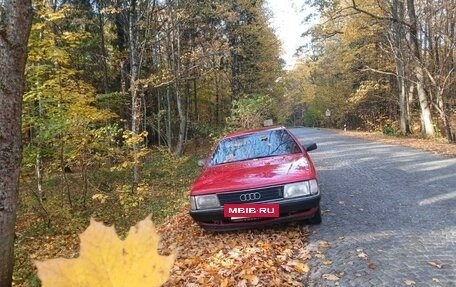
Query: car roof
{"x": 252, "y": 131}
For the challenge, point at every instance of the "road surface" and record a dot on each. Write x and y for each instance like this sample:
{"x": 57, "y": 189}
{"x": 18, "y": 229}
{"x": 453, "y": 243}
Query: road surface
{"x": 389, "y": 214}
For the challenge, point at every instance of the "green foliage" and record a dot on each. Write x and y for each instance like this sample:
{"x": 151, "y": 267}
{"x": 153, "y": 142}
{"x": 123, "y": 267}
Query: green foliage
{"x": 390, "y": 129}
{"x": 205, "y": 132}
{"x": 164, "y": 165}
{"x": 256, "y": 49}
{"x": 60, "y": 115}
{"x": 164, "y": 189}
{"x": 251, "y": 111}
{"x": 112, "y": 101}
{"x": 128, "y": 158}
{"x": 313, "y": 117}
{"x": 130, "y": 199}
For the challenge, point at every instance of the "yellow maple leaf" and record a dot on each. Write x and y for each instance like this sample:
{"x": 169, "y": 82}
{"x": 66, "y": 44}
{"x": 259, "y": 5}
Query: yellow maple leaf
{"x": 107, "y": 261}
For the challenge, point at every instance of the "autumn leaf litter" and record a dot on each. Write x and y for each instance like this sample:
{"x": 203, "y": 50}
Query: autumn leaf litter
{"x": 273, "y": 256}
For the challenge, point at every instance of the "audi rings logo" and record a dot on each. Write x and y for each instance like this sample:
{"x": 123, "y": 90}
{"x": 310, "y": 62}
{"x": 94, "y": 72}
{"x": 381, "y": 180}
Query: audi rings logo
{"x": 250, "y": 196}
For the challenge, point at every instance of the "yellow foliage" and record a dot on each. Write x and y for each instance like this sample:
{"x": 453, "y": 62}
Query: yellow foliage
{"x": 101, "y": 197}
{"x": 107, "y": 261}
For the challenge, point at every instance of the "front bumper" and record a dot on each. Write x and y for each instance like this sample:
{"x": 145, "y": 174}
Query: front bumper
{"x": 291, "y": 209}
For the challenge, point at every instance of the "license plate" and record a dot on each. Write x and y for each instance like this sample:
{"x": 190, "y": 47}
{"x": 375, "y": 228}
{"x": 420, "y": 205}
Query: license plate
{"x": 241, "y": 211}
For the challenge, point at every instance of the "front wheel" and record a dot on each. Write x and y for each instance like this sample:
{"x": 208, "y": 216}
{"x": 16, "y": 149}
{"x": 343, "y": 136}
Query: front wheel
{"x": 316, "y": 219}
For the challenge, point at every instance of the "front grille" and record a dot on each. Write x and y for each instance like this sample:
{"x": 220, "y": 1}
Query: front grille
{"x": 265, "y": 195}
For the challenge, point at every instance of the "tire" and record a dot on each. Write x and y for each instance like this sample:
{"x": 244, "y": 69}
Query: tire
{"x": 316, "y": 219}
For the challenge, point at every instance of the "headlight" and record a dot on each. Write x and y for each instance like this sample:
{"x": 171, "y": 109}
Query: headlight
{"x": 314, "y": 189}
{"x": 204, "y": 201}
{"x": 296, "y": 189}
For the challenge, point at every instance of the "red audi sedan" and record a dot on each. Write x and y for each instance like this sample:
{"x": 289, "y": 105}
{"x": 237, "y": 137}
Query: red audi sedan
{"x": 256, "y": 178}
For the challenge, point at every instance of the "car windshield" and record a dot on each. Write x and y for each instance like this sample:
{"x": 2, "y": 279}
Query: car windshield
{"x": 255, "y": 145}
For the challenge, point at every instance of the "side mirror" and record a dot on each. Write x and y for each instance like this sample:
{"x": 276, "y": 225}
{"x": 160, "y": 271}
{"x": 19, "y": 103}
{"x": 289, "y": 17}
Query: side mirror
{"x": 310, "y": 147}
{"x": 201, "y": 162}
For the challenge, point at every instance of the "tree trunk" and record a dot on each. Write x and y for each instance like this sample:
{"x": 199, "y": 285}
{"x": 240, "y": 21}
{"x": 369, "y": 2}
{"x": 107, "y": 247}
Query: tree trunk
{"x": 38, "y": 161}
{"x": 441, "y": 107}
{"x": 39, "y": 178}
{"x": 403, "y": 107}
{"x": 15, "y": 23}
{"x": 427, "y": 124}
{"x": 195, "y": 96}
{"x": 410, "y": 98}
{"x": 217, "y": 98}
{"x": 234, "y": 53}
{"x": 135, "y": 98}
{"x": 104, "y": 55}
{"x": 176, "y": 57}
{"x": 159, "y": 118}
{"x": 169, "y": 134}
{"x": 397, "y": 12}
{"x": 182, "y": 120}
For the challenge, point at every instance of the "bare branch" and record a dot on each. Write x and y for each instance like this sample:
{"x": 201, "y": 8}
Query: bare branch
{"x": 379, "y": 71}
{"x": 354, "y": 6}
{"x": 367, "y": 68}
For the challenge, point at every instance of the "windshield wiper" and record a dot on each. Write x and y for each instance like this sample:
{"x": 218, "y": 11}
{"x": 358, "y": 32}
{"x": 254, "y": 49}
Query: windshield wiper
{"x": 257, "y": 157}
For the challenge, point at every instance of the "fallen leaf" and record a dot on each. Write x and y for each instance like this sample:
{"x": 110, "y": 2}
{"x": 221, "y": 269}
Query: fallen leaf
{"x": 287, "y": 268}
{"x": 253, "y": 279}
{"x": 105, "y": 259}
{"x": 224, "y": 282}
{"x": 242, "y": 283}
{"x": 362, "y": 255}
{"x": 372, "y": 265}
{"x": 330, "y": 277}
{"x": 323, "y": 244}
{"x": 409, "y": 282}
{"x": 436, "y": 264}
{"x": 341, "y": 237}
{"x": 304, "y": 254}
{"x": 302, "y": 268}
{"x": 327, "y": 262}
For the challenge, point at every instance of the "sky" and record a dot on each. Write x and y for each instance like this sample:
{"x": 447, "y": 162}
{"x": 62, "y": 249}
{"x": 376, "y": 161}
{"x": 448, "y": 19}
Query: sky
{"x": 287, "y": 19}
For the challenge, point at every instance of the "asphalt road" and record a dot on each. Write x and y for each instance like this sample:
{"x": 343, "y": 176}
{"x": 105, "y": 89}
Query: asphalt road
{"x": 389, "y": 214}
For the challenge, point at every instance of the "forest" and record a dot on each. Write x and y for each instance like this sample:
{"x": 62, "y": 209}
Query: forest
{"x": 121, "y": 97}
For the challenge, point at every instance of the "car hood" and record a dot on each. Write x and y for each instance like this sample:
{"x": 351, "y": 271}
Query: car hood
{"x": 254, "y": 174}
